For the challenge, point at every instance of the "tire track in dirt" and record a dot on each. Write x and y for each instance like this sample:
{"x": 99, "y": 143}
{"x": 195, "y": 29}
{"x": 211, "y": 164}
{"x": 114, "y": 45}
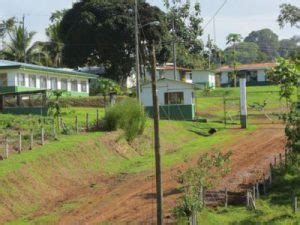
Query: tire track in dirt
{"x": 132, "y": 199}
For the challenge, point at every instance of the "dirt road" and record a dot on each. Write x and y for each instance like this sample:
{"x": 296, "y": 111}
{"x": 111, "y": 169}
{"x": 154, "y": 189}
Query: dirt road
{"x": 129, "y": 198}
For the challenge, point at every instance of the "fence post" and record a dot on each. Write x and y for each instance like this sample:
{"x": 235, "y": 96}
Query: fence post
{"x": 280, "y": 159}
{"x": 226, "y": 198}
{"x": 6, "y": 148}
{"x": 295, "y": 204}
{"x": 31, "y": 140}
{"x": 286, "y": 157}
{"x": 275, "y": 160}
{"x": 248, "y": 199}
{"x": 87, "y": 122}
{"x": 257, "y": 190}
{"x": 253, "y": 191}
{"x": 76, "y": 124}
{"x": 97, "y": 118}
{"x": 264, "y": 184}
{"x": 271, "y": 171}
{"x": 43, "y": 136}
{"x": 54, "y": 132}
{"x": 20, "y": 143}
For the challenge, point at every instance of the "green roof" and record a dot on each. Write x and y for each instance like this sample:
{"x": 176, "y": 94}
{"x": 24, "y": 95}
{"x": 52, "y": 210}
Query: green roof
{"x": 5, "y": 64}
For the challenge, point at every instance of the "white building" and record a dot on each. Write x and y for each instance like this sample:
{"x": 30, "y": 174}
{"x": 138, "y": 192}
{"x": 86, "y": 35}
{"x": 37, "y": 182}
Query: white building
{"x": 20, "y": 77}
{"x": 195, "y": 76}
{"x": 175, "y": 98}
{"x": 255, "y": 73}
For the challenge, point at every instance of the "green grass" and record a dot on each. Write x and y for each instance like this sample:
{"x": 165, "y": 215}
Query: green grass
{"x": 212, "y": 106}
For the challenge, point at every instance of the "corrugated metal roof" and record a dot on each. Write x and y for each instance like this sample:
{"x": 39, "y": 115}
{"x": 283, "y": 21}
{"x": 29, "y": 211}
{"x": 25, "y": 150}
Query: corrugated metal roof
{"x": 6, "y": 64}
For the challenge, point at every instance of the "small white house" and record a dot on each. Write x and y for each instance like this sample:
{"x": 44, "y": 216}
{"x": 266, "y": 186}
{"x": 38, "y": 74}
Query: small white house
{"x": 203, "y": 78}
{"x": 255, "y": 73}
{"x": 175, "y": 99}
{"x": 196, "y": 76}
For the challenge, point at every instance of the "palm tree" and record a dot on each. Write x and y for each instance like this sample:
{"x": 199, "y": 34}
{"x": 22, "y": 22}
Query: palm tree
{"x": 19, "y": 45}
{"x": 233, "y": 39}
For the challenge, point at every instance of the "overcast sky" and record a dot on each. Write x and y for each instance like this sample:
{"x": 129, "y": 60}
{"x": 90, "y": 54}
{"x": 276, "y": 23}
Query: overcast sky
{"x": 237, "y": 16}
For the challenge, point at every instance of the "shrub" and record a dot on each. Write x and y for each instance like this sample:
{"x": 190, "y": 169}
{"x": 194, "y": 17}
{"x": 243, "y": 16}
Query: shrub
{"x": 128, "y": 115}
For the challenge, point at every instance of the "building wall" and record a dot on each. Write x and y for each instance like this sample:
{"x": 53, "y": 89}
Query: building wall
{"x": 13, "y": 81}
{"x": 204, "y": 77}
{"x": 163, "y": 87}
{"x": 224, "y": 78}
{"x": 261, "y": 76}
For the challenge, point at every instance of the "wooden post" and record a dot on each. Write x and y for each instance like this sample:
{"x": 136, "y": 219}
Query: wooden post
{"x": 286, "y": 157}
{"x": 156, "y": 117}
{"x": 54, "y": 132}
{"x": 43, "y": 136}
{"x": 97, "y": 118}
{"x": 264, "y": 184}
{"x": 76, "y": 124}
{"x": 257, "y": 190}
{"x": 280, "y": 159}
{"x": 20, "y": 143}
{"x": 271, "y": 171}
{"x": 275, "y": 160}
{"x": 31, "y": 140}
{"x": 295, "y": 204}
{"x": 248, "y": 199}
{"x": 253, "y": 191}
{"x": 226, "y": 198}
{"x": 6, "y": 148}
{"x": 87, "y": 122}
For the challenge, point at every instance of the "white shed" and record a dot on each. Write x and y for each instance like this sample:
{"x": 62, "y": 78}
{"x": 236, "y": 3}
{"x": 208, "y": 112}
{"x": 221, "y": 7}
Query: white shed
{"x": 204, "y": 78}
{"x": 175, "y": 98}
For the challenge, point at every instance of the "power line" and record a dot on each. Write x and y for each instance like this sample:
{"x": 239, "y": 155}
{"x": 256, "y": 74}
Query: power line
{"x": 215, "y": 14}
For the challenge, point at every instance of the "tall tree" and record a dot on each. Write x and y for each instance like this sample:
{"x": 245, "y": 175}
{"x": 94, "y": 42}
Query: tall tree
{"x": 289, "y": 14}
{"x": 267, "y": 41}
{"x": 245, "y": 52}
{"x": 289, "y": 47}
{"x": 20, "y": 39}
{"x": 232, "y": 40}
{"x": 102, "y": 33}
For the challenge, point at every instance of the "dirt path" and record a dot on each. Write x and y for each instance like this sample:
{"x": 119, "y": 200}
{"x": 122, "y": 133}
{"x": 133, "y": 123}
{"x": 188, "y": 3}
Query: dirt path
{"x": 131, "y": 197}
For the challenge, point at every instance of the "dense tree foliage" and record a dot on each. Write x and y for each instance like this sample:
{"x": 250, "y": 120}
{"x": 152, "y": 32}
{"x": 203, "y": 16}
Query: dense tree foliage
{"x": 267, "y": 41}
{"x": 289, "y": 14}
{"x": 102, "y": 32}
{"x": 246, "y": 52}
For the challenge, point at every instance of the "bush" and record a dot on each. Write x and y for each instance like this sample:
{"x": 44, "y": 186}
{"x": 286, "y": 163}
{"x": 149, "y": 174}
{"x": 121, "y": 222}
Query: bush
{"x": 128, "y": 115}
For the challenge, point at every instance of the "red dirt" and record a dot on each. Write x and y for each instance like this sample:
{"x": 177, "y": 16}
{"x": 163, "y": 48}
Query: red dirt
{"x": 131, "y": 198}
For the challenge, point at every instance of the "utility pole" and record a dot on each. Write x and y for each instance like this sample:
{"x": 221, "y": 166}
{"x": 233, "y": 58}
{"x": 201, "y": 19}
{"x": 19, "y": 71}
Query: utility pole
{"x": 159, "y": 192}
{"x": 24, "y": 44}
{"x": 174, "y": 47}
{"x": 137, "y": 58}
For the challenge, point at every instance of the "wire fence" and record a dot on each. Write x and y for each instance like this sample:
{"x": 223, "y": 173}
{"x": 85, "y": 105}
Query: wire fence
{"x": 46, "y": 131}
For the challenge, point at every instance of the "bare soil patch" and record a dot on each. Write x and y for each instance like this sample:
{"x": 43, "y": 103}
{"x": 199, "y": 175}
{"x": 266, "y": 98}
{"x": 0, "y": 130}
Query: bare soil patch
{"x": 130, "y": 199}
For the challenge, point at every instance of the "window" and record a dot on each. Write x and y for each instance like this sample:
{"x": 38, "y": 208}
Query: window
{"x": 64, "y": 84}
{"x": 53, "y": 82}
{"x": 21, "y": 79}
{"x": 83, "y": 86}
{"x": 174, "y": 98}
{"x": 43, "y": 82}
{"x": 3, "y": 79}
{"x": 32, "y": 81}
{"x": 74, "y": 86}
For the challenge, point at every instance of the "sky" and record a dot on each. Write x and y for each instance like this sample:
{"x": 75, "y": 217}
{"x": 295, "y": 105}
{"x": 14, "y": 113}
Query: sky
{"x": 237, "y": 16}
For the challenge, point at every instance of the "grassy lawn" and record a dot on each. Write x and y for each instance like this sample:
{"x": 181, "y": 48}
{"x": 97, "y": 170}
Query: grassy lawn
{"x": 212, "y": 105}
